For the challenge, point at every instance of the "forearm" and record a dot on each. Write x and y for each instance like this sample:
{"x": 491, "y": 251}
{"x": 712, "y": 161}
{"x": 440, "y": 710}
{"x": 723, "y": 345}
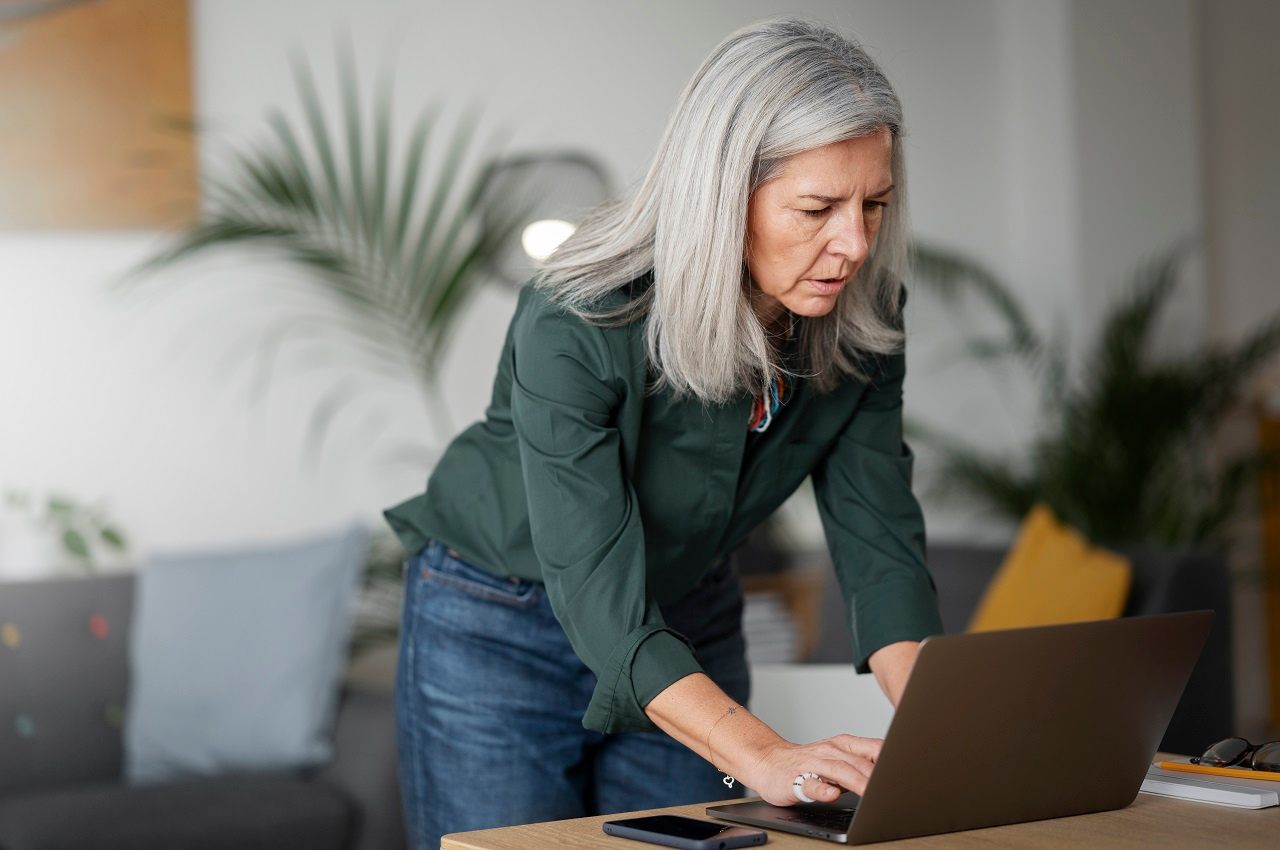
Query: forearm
{"x": 892, "y": 667}
{"x": 695, "y": 707}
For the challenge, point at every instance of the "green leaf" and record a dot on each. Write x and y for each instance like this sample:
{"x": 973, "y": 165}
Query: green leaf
{"x": 74, "y": 542}
{"x": 951, "y": 275}
{"x": 113, "y": 538}
{"x": 310, "y": 99}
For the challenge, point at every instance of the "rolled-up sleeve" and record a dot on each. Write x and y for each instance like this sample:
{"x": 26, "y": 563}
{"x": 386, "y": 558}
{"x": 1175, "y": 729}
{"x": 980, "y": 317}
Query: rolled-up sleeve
{"x": 873, "y": 523}
{"x": 584, "y": 515}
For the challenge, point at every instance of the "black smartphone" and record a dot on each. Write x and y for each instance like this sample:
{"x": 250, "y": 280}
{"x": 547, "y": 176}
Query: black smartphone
{"x": 686, "y": 833}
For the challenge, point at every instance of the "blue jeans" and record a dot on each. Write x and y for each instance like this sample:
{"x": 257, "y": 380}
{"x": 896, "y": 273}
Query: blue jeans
{"x": 490, "y": 696}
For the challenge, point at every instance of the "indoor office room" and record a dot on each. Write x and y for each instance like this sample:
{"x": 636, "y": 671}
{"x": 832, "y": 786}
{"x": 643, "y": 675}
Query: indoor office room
{"x": 485, "y": 425}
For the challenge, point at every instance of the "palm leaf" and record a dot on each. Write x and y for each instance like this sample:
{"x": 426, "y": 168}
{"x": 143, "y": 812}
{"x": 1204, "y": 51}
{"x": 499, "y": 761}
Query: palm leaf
{"x": 399, "y": 257}
{"x": 1224, "y": 502}
{"x": 951, "y": 275}
{"x": 966, "y": 470}
{"x": 1126, "y": 330}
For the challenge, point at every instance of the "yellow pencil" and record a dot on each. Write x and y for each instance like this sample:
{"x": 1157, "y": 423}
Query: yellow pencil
{"x": 1238, "y": 773}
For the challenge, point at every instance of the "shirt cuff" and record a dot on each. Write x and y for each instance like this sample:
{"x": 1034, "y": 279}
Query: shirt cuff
{"x": 890, "y": 612}
{"x": 648, "y": 660}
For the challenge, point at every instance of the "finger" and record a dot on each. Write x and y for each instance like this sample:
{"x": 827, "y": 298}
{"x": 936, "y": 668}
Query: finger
{"x": 844, "y": 747}
{"x": 828, "y": 788}
{"x": 868, "y": 748}
{"x": 820, "y": 791}
{"x": 848, "y": 774}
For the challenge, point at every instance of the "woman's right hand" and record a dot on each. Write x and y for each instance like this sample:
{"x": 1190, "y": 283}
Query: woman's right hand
{"x": 844, "y": 761}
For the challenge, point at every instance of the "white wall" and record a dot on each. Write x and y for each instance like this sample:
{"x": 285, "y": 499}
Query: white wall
{"x": 1136, "y": 146}
{"x": 116, "y": 401}
{"x": 1241, "y": 138}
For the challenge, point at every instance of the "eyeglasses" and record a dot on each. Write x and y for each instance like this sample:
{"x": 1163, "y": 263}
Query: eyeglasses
{"x": 1237, "y": 752}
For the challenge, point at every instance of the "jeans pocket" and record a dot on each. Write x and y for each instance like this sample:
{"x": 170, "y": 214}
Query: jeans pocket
{"x": 445, "y": 567}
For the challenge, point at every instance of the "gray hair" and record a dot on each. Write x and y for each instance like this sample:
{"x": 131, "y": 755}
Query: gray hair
{"x": 769, "y": 91}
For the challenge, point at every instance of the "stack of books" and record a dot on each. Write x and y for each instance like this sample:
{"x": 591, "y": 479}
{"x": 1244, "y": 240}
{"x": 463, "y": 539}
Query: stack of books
{"x": 770, "y": 629}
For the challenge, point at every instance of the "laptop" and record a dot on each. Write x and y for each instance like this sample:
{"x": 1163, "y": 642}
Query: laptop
{"x": 1010, "y": 726}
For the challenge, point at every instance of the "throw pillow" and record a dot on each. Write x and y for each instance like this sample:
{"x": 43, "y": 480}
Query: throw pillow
{"x": 1052, "y": 575}
{"x": 237, "y": 657}
{"x": 63, "y": 679}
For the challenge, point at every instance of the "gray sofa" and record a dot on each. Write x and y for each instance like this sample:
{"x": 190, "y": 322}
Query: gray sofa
{"x": 62, "y": 781}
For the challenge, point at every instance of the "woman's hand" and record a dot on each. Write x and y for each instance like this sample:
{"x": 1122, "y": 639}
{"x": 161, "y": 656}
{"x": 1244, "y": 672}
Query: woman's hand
{"x": 845, "y": 763}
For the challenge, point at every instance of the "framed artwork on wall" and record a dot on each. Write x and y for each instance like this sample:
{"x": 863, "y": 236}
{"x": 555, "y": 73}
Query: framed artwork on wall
{"x": 96, "y": 115}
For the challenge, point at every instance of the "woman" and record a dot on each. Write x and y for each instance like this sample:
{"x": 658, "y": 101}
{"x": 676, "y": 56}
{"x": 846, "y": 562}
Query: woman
{"x": 572, "y": 638}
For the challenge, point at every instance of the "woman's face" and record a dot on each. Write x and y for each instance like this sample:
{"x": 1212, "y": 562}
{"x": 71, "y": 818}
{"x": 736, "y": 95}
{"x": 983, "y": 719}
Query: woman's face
{"x": 809, "y": 229}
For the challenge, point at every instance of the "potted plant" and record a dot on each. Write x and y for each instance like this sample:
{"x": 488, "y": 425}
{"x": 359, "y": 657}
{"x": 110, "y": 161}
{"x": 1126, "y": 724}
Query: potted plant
{"x": 397, "y": 245}
{"x": 54, "y": 534}
{"x": 1124, "y": 455}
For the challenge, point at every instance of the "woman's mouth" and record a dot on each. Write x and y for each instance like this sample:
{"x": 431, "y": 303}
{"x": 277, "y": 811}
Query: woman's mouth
{"x": 829, "y": 286}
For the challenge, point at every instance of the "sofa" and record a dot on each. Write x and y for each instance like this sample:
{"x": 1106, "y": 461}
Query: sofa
{"x": 62, "y": 755}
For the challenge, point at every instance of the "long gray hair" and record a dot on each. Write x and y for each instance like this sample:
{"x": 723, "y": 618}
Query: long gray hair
{"x": 770, "y": 90}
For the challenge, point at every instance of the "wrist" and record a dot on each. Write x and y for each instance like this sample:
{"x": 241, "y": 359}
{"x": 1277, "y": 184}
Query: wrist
{"x": 740, "y": 749}
{"x": 892, "y": 665}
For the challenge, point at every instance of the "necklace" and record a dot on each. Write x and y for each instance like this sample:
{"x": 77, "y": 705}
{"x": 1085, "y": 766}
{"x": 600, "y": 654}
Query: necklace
{"x": 764, "y": 408}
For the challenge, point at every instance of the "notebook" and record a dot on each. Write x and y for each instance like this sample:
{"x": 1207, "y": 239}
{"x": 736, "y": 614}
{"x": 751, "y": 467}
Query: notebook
{"x": 1242, "y": 793}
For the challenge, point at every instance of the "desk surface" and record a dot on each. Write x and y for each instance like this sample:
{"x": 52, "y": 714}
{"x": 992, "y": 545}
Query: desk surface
{"x": 1150, "y": 822}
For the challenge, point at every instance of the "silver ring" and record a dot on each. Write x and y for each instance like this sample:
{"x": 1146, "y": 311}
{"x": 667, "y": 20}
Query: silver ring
{"x": 797, "y": 787}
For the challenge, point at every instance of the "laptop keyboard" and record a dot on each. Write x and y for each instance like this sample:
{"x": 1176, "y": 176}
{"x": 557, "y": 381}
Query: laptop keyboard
{"x": 837, "y": 820}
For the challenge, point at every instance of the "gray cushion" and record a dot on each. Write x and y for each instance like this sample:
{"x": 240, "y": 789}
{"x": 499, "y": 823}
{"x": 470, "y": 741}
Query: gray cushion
{"x": 63, "y": 679}
{"x": 235, "y": 812}
{"x": 237, "y": 656}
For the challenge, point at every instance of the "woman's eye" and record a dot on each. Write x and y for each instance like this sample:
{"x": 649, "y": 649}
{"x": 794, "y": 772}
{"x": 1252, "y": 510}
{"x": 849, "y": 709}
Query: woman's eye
{"x": 816, "y": 213}
{"x": 871, "y": 206}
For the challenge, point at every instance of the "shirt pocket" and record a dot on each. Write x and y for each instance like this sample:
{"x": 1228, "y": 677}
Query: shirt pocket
{"x": 446, "y": 568}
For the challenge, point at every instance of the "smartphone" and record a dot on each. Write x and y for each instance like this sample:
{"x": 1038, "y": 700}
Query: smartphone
{"x": 686, "y": 833}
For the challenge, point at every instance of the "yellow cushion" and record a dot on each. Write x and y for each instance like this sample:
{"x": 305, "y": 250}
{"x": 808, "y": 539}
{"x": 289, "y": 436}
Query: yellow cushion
{"x": 1052, "y": 575}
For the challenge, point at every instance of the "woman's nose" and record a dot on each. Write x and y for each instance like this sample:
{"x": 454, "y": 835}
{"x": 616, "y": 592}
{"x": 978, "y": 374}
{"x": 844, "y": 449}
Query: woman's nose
{"x": 850, "y": 238}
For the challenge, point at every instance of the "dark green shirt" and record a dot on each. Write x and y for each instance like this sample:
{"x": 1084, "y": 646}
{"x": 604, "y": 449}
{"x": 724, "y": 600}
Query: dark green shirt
{"x": 618, "y": 501}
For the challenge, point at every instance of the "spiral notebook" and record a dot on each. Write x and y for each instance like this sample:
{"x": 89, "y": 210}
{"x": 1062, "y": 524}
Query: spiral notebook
{"x": 1241, "y": 793}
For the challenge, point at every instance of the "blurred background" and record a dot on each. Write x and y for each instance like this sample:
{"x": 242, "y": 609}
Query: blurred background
{"x": 258, "y": 259}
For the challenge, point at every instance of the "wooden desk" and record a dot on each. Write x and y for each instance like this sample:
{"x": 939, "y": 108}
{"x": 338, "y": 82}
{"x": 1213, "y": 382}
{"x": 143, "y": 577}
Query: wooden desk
{"x": 1150, "y": 822}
